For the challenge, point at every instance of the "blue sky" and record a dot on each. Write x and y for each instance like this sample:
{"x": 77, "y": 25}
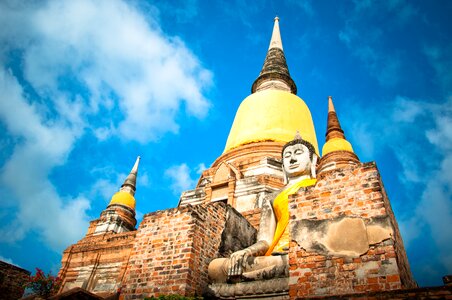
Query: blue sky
{"x": 87, "y": 86}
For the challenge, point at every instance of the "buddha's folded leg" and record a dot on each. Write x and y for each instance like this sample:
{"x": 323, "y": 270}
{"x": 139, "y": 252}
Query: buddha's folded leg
{"x": 218, "y": 270}
{"x": 266, "y": 267}
{"x": 256, "y": 268}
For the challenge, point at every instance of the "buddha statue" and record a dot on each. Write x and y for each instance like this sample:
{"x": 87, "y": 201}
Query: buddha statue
{"x": 268, "y": 258}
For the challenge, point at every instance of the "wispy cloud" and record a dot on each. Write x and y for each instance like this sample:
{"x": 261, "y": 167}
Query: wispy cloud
{"x": 305, "y": 6}
{"x": 200, "y": 168}
{"x": 183, "y": 11}
{"x": 132, "y": 81}
{"x": 402, "y": 9}
{"x": 441, "y": 61}
{"x": 26, "y": 172}
{"x": 364, "y": 45}
{"x": 109, "y": 182}
{"x": 419, "y": 135}
{"x": 180, "y": 176}
{"x": 243, "y": 10}
{"x": 7, "y": 260}
{"x": 370, "y": 44}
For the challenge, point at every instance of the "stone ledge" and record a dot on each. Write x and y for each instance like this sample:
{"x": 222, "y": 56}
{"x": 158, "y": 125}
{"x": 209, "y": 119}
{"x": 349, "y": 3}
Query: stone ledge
{"x": 277, "y": 288}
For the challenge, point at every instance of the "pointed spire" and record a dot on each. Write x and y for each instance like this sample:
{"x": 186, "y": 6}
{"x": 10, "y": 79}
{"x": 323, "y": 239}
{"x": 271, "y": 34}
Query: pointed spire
{"x": 276, "y": 42}
{"x": 331, "y": 105}
{"x": 129, "y": 184}
{"x": 333, "y": 127}
{"x": 337, "y": 151}
{"x": 275, "y": 73}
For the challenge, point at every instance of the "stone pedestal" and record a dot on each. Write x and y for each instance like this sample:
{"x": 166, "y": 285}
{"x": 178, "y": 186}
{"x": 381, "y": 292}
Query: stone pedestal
{"x": 277, "y": 288}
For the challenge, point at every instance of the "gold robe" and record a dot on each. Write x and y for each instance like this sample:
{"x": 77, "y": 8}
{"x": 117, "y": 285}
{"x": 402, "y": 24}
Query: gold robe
{"x": 280, "y": 241}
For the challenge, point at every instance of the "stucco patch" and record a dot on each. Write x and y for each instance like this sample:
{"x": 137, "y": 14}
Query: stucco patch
{"x": 342, "y": 236}
{"x": 347, "y": 237}
{"x": 377, "y": 234}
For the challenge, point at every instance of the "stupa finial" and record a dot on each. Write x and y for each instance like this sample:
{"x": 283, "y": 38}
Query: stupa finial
{"x": 275, "y": 73}
{"x": 276, "y": 41}
{"x": 330, "y": 105}
{"x": 131, "y": 180}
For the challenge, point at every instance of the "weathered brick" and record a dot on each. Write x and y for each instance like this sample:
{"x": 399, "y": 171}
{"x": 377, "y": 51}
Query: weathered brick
{"x": 356, "y": 192}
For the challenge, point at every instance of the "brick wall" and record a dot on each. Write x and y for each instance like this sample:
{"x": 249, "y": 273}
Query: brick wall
{"x": 406, "y": 276}
{"x": 253, "y": 216}
{"x": 97, "y": 263}
{"x": 173, "y": 249}
{"x": 12, "y": 279}
{"x": 356, "y": 195}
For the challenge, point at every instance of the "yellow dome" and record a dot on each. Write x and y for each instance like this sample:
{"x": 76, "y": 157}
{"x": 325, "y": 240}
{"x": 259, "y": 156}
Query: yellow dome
{"x": 123, "y": 198}
{"x": 336, "y": 144}
{"x": 273, "y": 115}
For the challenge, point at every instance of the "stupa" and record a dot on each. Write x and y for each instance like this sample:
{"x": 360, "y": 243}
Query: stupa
{"x": 340, "y": 234}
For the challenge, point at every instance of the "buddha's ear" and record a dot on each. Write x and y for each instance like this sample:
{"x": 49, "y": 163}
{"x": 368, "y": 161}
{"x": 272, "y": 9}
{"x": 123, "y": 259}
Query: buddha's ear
{"x": 313, "y": 165}
{"x": 286, "y": 178}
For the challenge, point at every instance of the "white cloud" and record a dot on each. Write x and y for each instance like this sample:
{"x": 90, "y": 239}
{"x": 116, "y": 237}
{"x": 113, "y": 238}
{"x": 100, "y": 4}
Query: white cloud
{"x": 26, "y": 172}
{"x": 97, "y": 66}
{"x": 105, "y": 188}
{"x": 201, "y": 168}
{"x": 124, "y": 63}
{"x": 180, "y": 178}
{"x": 104, "y": 133}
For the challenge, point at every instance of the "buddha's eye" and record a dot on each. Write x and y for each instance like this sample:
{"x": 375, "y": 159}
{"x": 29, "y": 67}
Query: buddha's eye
{"x": 287, "y": 154}
{"x": 299, "y": 151}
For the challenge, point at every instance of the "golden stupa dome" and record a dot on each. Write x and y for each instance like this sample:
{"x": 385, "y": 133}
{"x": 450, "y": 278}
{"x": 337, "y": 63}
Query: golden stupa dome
{"x": 336, "y": 144}
{"x": 123, "y": 198}
{"x": 271, "y": 115}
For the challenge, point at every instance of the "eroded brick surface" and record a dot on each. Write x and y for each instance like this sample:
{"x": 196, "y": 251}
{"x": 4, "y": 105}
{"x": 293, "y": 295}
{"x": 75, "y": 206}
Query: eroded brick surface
{"x": 253, "y": 216}
{"x": 173, "y": 249}
{"x": 97, "y": 263}
{"x": 355, "y": 192}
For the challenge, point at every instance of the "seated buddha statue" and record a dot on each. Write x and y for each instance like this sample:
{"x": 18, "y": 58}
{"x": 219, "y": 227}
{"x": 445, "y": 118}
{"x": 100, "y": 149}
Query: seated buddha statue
{"x": 268, "y": 258}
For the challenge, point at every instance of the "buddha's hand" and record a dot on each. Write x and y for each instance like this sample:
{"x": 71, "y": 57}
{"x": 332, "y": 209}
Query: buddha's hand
{"x": 238, "y": 261}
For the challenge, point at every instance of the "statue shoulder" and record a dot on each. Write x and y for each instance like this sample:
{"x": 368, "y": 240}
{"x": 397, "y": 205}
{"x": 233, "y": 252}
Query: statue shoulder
{"x": 271, "y": 197}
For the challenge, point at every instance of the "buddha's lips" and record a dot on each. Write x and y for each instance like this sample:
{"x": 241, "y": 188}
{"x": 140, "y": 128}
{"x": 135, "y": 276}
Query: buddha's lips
{"x": 294, "y": 166}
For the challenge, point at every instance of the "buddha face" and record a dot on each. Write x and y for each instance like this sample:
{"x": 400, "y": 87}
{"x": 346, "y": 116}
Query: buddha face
{"x": 296, "y": 160}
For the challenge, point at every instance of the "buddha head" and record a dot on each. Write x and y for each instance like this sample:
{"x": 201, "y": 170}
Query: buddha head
{"x": 299, "y": 159}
